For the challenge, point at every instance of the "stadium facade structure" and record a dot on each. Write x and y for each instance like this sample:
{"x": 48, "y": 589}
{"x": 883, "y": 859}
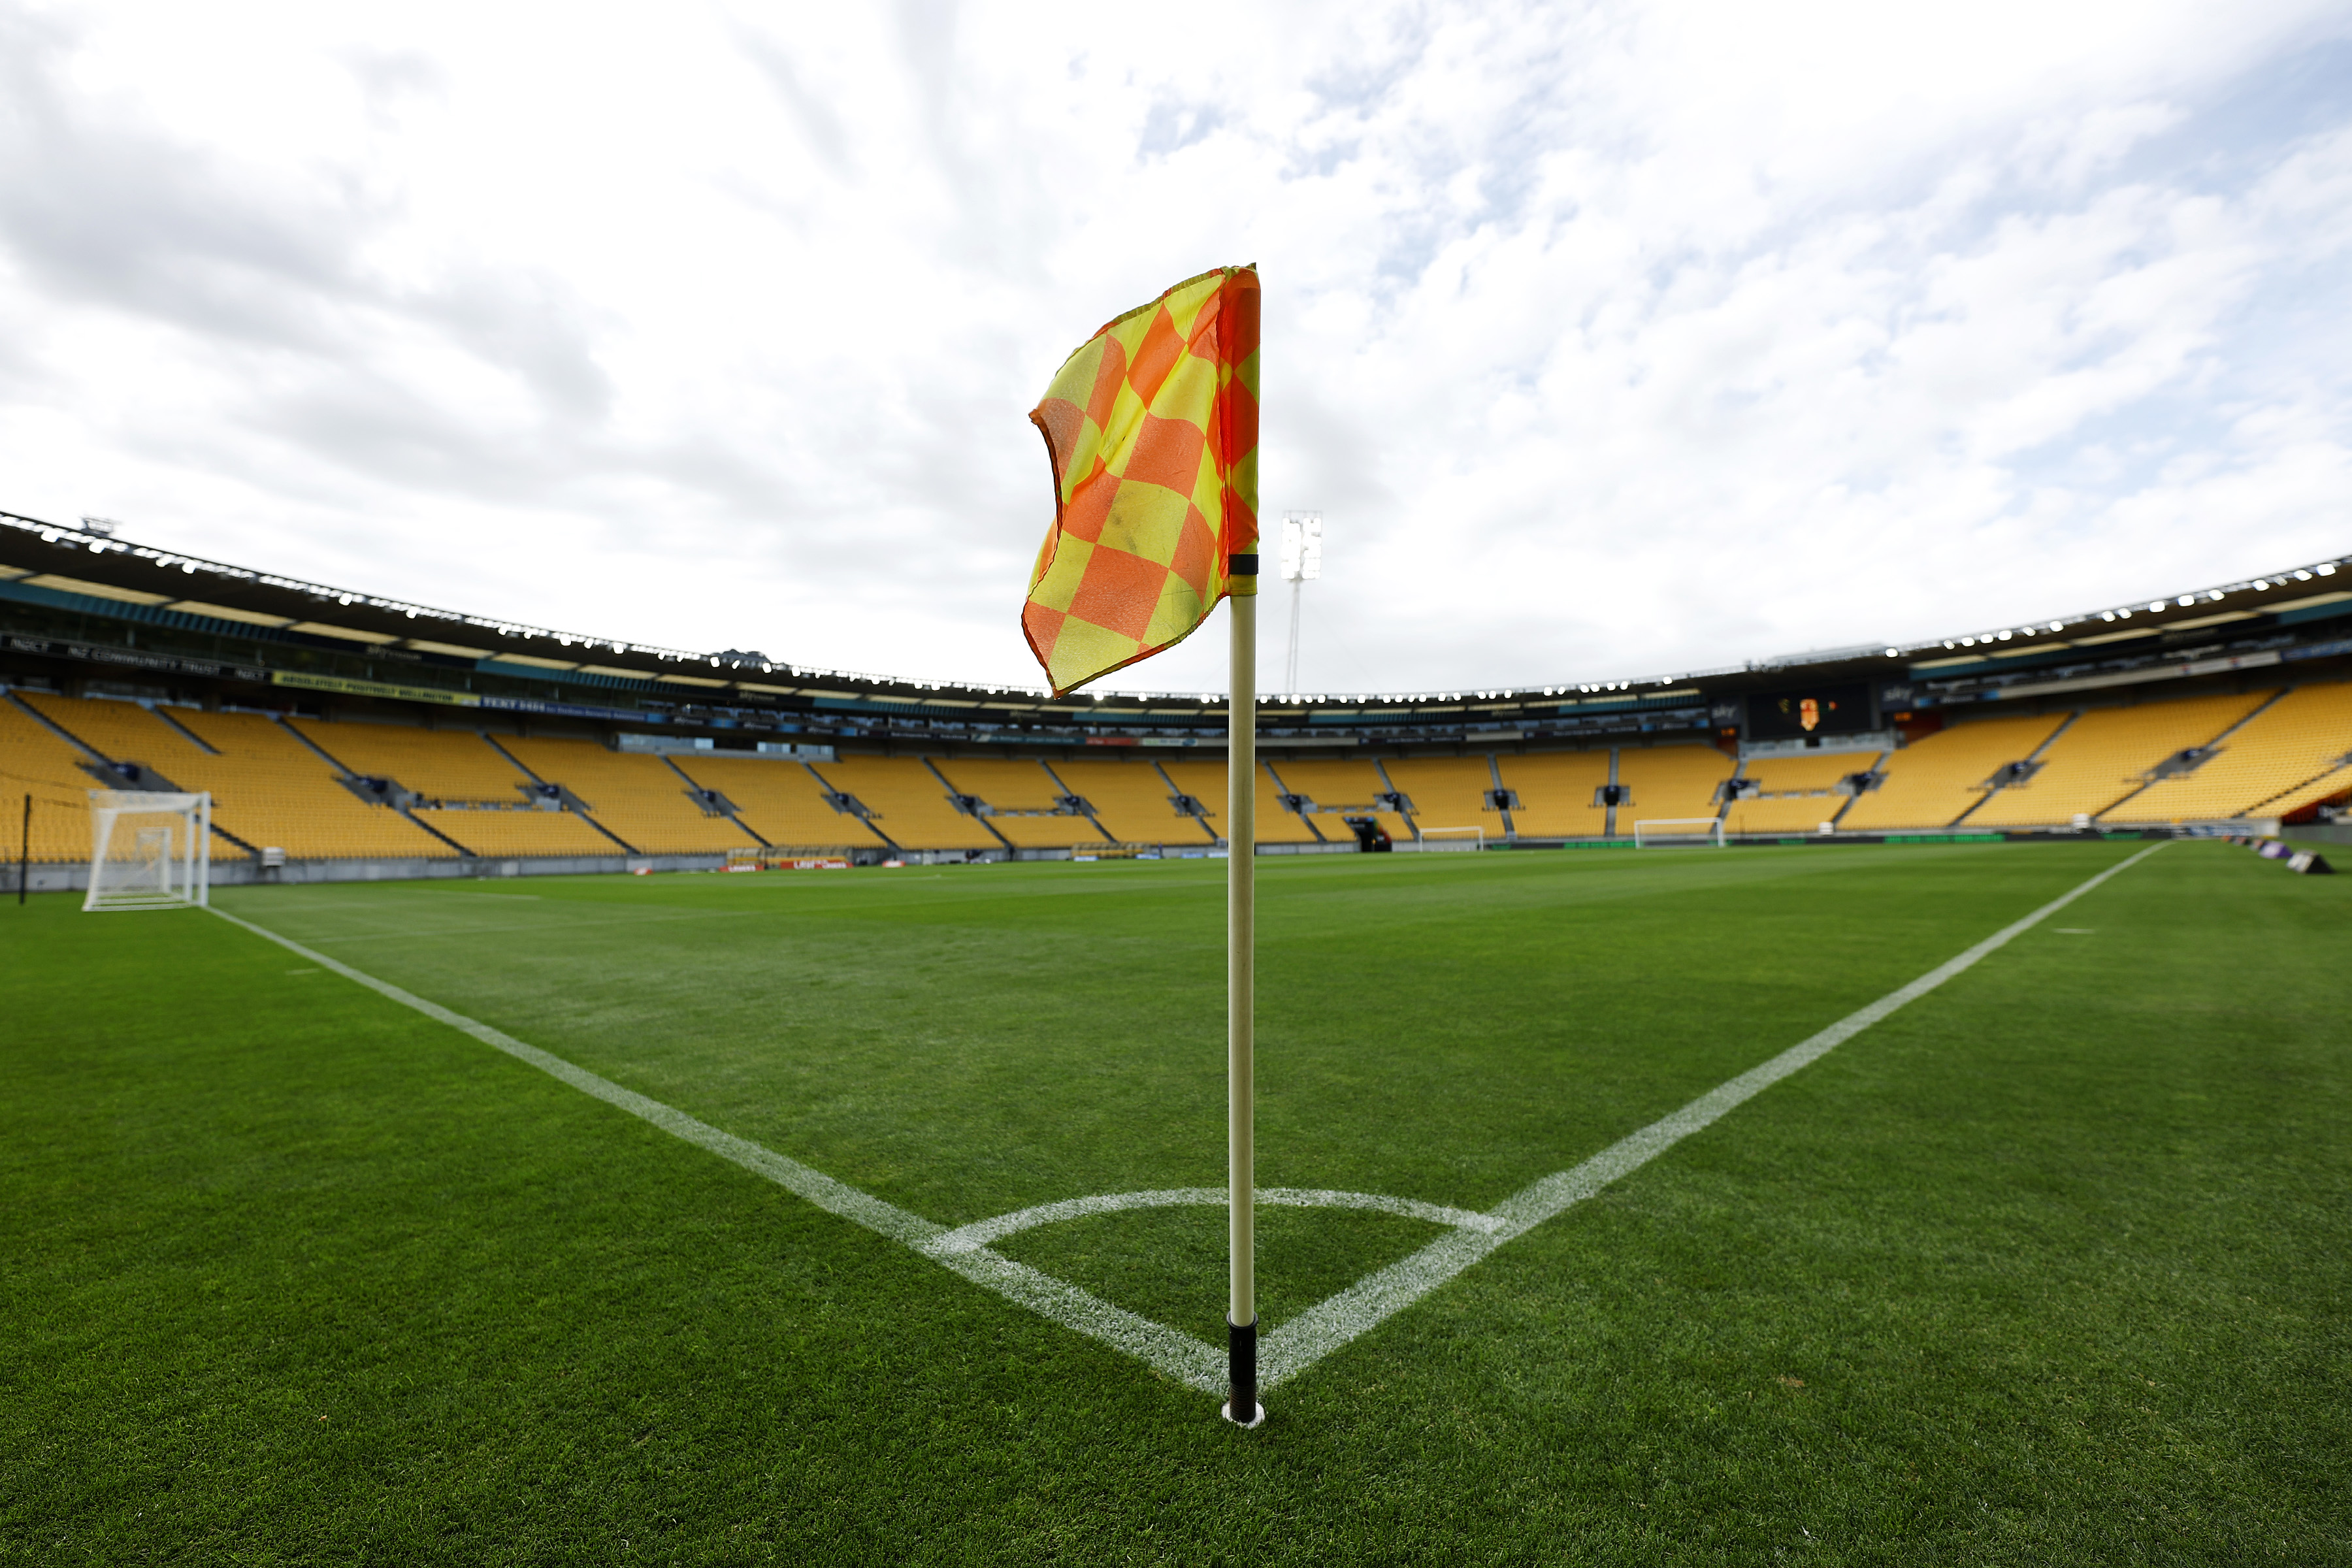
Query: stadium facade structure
{"x": 1773, "y": 750}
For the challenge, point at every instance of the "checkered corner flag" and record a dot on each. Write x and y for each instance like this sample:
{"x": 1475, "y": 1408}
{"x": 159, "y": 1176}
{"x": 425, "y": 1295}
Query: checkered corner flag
{"x": 1152, "y": 429}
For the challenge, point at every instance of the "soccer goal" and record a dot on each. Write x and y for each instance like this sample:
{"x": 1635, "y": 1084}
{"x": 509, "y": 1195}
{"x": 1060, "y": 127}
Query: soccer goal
{"x": 149, "y": 850}
{"x": 1453, "y": 838}
{"x": 1645, "y": 829}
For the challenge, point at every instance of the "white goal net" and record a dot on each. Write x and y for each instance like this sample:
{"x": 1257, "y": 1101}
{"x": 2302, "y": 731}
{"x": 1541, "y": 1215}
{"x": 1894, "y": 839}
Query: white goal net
{"x": 1453, "y": 838}
{"x": 1677, "y": 831}
{"x": 149, "y": 850}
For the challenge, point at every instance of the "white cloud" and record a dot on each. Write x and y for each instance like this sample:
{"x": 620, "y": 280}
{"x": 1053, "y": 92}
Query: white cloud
{"x": 1611, "y": 340}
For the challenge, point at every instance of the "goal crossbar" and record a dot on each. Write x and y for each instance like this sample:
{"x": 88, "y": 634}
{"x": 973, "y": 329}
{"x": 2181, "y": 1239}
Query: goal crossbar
{"x": 1478, "y": 841}
{"x": 1712, "y": 825}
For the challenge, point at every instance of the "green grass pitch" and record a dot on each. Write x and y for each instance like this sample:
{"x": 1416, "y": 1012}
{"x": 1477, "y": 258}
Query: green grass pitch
{"x": 2050, "y": 1266}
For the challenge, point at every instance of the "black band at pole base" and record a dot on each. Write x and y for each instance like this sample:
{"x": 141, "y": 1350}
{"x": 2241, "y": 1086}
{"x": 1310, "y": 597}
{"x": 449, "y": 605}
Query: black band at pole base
{"x": 1241, "y": 1359}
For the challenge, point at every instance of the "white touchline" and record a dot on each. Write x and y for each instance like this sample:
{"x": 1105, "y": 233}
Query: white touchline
{"x": 1305, "y": 1339}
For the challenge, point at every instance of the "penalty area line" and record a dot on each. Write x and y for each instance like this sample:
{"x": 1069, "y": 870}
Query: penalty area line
{"x": 1325, "y": 1327}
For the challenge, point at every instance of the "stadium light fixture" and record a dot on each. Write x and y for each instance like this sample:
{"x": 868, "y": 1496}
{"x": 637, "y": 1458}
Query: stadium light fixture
{"x": 2302, "y": 576}
{"x": 2327, "y": 569}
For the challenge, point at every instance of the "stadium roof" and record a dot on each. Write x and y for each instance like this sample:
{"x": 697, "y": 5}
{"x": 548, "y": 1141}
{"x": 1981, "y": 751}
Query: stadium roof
{"x": 88, "y": 559}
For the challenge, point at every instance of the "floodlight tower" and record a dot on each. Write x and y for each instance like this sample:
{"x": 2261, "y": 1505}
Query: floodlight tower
{"x": 1302, "y": 561}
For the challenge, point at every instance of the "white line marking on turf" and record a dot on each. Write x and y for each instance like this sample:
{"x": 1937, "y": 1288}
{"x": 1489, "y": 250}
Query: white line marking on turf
{"x": 980, "y": 1233}
{"x": 1325, "y": 1327}
{"x": 1178, "y": 1354}
{"x": 1315, "y": 1333}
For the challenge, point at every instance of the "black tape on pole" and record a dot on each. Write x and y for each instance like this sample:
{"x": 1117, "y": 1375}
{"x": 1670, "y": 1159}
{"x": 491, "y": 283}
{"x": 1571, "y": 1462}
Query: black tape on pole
{"x": 1240, "y": 1354}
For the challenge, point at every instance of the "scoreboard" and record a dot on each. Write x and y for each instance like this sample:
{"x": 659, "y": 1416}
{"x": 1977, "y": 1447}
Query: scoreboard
{"x": 1843, "y": 709}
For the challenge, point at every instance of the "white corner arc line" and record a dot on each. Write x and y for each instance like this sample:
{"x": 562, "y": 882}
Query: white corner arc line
{"x": 1303, "y": 1341}
{"x": 1315, "y": 1333}
{"x": 980, "y": 1233}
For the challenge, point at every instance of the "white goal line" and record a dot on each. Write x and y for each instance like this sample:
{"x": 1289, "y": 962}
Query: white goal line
{"x": 1304, "y": 1340}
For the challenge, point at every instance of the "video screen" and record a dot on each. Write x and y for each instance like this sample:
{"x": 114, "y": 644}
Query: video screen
{"x": 1820, "y": 710}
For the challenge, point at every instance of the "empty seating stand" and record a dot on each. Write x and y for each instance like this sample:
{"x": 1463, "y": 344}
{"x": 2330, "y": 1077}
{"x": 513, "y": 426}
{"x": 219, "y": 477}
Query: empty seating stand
{"x": 1132, "y": 800}
{"x": 2294, "y": 751}
{"x": 2106, "y": 755}
{"x": 778, "y": 799}
{"x": 1025, "y": 800}
{"x": 1930, "y": 784}
{"x": 910, "y": 805}
{"x": 643, "y": 800}
{"x": 1447, "y": 792}
{"x": 1558, "y": 794}
{"x": 34, "y": 763}
{"x": 1669, "y": 781}
{"x": 1332, "y": 782}
{"x": 1795, "y": 793}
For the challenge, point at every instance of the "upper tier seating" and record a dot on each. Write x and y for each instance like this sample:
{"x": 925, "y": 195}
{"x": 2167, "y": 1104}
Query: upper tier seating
{"x": 1020, "y": 784}
{"x": 1130, "y": 801}
{"x": 1669, "y": 781}
{"x": 780, "y": 800}
{"x": 910, "y": 805}
{"x": 640, "y": 798}
{"x": 1556, "y": 791}
{"x": 1329, "y": 782}
{"x": 1931, "y": 782}
{"x": 2282, "y": 754}
{"x": 1447, "y": 792}
{"x": 1810, "y": 778}
{"x": 2101, "y": 757}
{"x": 34, "y": 761}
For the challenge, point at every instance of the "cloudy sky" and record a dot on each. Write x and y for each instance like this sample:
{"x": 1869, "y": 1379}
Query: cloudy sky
{"x": 1611, "y": 340}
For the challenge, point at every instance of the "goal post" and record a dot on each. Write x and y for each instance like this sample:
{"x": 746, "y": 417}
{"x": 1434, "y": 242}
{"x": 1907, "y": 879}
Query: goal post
{"x": 149, "y": 850}
{"x": 1472, "y": 838}
{"x": 1645, "y": 829}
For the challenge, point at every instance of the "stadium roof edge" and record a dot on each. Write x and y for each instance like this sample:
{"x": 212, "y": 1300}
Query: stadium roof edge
{"x": 397, "y": 618}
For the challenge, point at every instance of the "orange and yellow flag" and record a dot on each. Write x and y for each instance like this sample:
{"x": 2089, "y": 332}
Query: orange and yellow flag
{"x": 1152, "y": 429}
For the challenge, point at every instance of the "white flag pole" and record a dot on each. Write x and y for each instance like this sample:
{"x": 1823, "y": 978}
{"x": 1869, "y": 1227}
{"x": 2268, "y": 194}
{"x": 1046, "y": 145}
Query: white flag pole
{"x": 1240, "y": 939}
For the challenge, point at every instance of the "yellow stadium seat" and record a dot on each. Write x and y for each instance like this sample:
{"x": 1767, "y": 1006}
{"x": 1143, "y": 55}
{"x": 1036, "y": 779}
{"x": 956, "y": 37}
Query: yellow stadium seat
{"x": 1556, "y": 791}
{"x": 2282, "y": 754}
{"x": 910, "y": 805}
{"x": 1798, "y": 793}
{"x": 1206, "y": 783}
{"x": 1447, "y": 792}
{"x": 2103, "y": 755}
{"x": 643, "y": 800}
{"x": 1330, "y": 782}
{"x": 1669, "y": 781}
{"x": 778, "y": 799}
{"x": 1931, "y": 782}
{"x": 1020, "y": 784}
{"x": 1131, "y": 801}
{"x": 35, "y": 762}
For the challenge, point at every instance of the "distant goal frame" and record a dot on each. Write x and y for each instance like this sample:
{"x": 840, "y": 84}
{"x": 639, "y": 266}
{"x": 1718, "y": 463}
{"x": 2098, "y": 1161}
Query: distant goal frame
{"x": 1715, "y": 825}
{"x": 1477, "y": 845}
{"x": 149, "y": 849}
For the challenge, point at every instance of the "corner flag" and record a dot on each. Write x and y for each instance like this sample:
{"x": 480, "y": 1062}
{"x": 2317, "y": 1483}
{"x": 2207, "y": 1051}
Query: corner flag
{"x": 1152, "y": 429}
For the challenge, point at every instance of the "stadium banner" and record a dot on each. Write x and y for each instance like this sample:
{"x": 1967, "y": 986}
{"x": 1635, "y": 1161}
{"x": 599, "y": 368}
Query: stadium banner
{"x": 1151, "y": 429}
{"x": 161, "y": 663}
{"x": 351, "y": 686}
